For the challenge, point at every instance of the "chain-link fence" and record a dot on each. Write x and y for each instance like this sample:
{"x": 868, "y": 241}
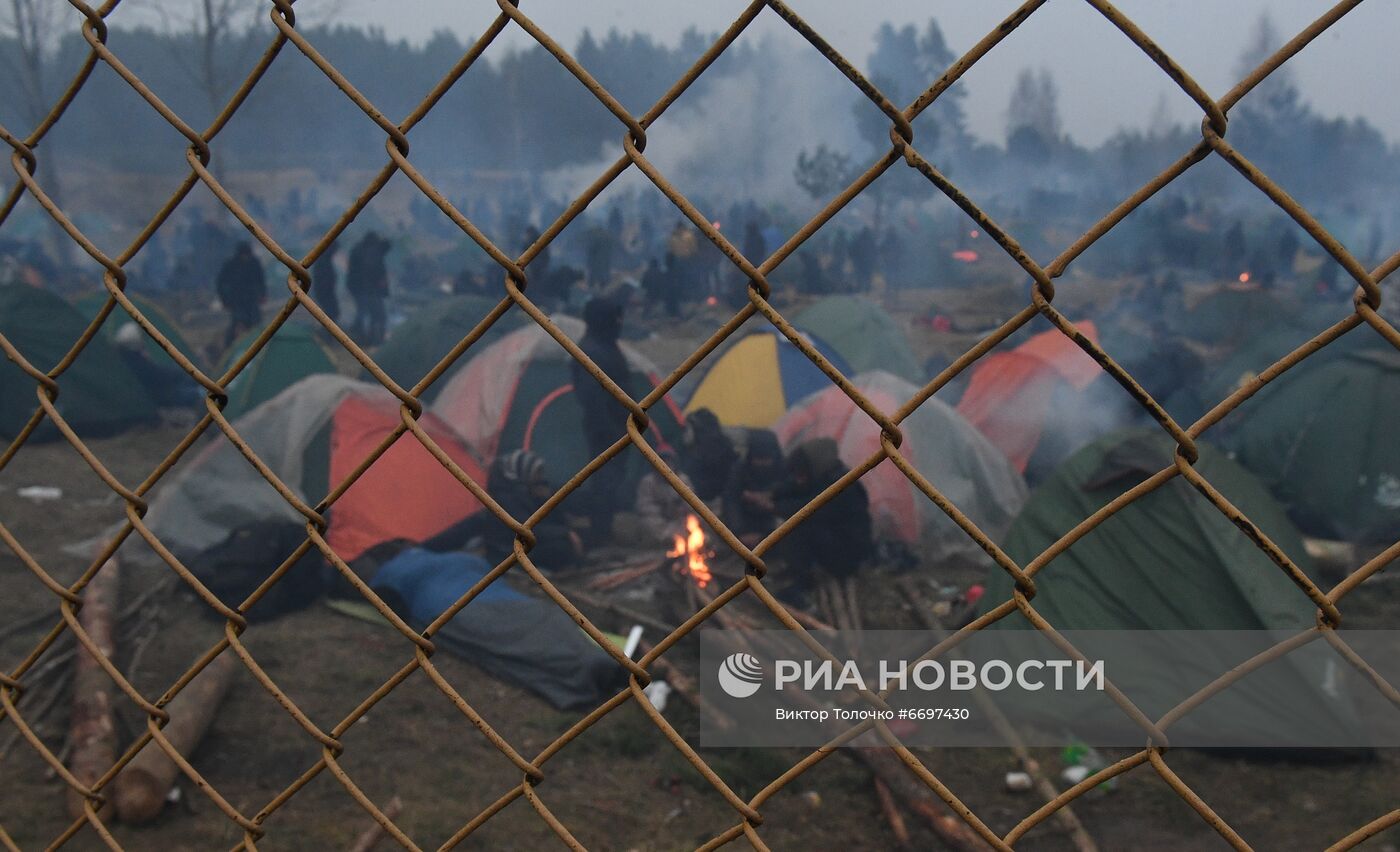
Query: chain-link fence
{"x": 28, "y": 151}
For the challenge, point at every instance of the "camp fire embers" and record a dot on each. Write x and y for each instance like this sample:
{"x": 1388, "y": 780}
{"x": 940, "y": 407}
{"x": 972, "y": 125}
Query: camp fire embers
{"x": 690, "y": 552}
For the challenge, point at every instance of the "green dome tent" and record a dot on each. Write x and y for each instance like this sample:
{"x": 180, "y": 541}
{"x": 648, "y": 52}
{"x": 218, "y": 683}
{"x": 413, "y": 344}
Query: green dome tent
{"x": 417, "y": 344}
{"x": 1255, "y": 354}
{"x": 1169, "y": 561}
{"x": 865, "y": 335}
{"x": 90, "y": 304}
{"x": 296, "y": 351}
{"x": 162, "y": 377}
{"x": 1321, "y": 437}
{"x": 98, "y": 394}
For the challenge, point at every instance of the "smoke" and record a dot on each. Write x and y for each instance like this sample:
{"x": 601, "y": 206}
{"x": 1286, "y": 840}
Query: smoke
{"x": 737, "y": 134}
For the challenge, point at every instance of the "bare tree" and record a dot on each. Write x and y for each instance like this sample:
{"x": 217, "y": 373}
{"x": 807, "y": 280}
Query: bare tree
{"x": 211, "y": 40}
{"x": 32, "y": 25}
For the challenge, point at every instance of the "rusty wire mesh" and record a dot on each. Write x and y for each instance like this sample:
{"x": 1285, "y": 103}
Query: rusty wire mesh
{"x": 26, "y": 152}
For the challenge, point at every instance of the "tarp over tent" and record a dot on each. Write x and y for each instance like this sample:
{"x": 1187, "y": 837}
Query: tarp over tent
{"x": 758, "y": 378}
{"x": 418, "y": 343}
{"x": 1042, "y": 400}
{"x": 98, "y": 394}
{"x": 312, "y": 435}
{"x": 296, "y": 351}
{"x": 951, "y": 454}
{"x": 518, "y": 393}
{"x": 1169, "y": 560}
{"x": 521, "y": 640}
{"x": 865, "y": 335}
{"x": 1322, "y": 437}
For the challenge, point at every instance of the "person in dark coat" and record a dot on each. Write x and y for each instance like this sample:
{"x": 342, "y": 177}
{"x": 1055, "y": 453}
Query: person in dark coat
{"x": 834, "y": 540}
{"x": 518, "y": 483}
{"x": 367, "y": 281}
{"x": 241, "y": 287}
{"x": 604, "y": 417}
{"x": 709, "y": 456}
{"x": 656, "y": 286}
{"x": 750, "y": 496}
{"x": 324, "y": 282}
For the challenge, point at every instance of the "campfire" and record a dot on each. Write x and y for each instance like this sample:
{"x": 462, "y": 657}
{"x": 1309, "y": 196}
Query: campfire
{"x": 1244, "y": 277}
{"x": 689, "y": 552}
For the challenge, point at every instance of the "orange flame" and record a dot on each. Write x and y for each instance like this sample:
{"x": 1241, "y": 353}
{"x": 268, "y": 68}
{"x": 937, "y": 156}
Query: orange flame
{"x": 1244, "y": 277}
{"x": 965, "y": 255}
{"x": 692, "y": 548}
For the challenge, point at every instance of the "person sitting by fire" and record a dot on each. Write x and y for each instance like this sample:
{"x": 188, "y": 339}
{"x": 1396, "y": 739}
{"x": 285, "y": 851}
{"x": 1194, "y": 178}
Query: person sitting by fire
{"x": 709, "y": 454}
{"x": 748, "y": 498}
{"x": 836, "y": 539}
{"x": 659, "y": 507}
{"x": 518, "y": 483}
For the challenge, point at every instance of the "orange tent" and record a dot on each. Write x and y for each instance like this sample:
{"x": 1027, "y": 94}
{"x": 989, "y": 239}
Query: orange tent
{"x": 1011, "y": 395}
{"x": 406, "y": 493}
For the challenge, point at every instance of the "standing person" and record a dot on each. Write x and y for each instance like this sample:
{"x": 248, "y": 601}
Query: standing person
{"x": 604, "y": 418}
{"x": 241, "y": 287}
{"x": 368, "y": 282}
{"x": 324, "y": 280}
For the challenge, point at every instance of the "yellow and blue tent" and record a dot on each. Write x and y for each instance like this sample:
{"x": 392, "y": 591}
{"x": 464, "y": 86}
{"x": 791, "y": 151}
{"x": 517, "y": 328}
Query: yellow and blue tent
{"x": 755, "y": 381}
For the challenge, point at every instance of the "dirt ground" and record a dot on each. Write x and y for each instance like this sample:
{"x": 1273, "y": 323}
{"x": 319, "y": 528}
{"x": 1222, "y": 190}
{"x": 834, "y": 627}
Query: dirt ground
{"x": 621, "y": 786}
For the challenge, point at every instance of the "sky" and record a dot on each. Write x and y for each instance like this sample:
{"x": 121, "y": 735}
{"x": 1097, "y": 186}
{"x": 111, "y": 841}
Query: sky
{"x": 1105, "y": 82}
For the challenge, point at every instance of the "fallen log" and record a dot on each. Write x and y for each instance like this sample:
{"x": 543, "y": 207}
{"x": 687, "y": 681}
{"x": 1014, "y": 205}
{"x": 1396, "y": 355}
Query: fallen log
{"x": 92, "y": 731}
{"x": 144, "y": 784}
{"x": 370, "y": 837}
{"x": 890, "y": 808}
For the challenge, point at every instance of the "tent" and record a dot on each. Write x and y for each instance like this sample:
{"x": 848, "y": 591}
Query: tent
{"x": 759, "y": 377}
{"x": 1042, "y": 400}
{"x": 951, "y": 454}
{"x": 312, "y": 435}
{"x": 863, "y": 333}
{"x": 525, "y": 641}
{"x": 1169, "y": 561}
{"x": 418, "y": 343}
{"x": 1320, "y": 437}
{"x": 162, "y": 377}
{"x": 296, "y": 351}
{"x": 90, "y": 304}
{"x": 517, "y": 393}
{"x": 1251, "y": 357}
{"x": 98, "y": 394}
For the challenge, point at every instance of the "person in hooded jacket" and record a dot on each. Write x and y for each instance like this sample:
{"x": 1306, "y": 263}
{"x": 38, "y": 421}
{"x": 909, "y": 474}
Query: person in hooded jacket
{"x": 242, "y": 287}
{"x": 749, "y": 496}
{"x": 518, "y": 484}
{"x": 709, "y": 454}
{"x": 604, "y": 417}
{"x": 836, "y": 539}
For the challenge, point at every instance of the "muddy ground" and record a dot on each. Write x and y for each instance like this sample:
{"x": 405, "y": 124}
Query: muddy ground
{"x": 620, "y": 786}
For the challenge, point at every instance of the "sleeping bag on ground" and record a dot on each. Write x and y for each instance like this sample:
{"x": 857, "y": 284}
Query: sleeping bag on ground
{"x": 521, "y": 640}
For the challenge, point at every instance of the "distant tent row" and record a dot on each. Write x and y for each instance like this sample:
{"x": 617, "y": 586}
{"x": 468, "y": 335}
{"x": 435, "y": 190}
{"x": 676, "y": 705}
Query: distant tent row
{"x": 417, "y": 344}
{"x": 951, "y": 454}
